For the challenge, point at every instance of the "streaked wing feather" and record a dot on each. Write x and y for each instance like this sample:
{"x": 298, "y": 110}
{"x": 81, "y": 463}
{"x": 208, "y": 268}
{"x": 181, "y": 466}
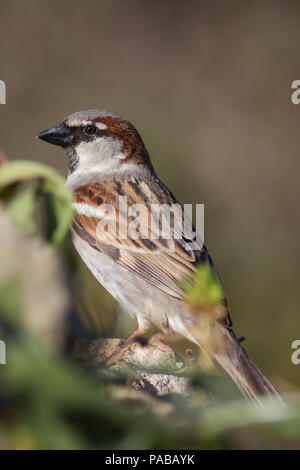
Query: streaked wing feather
{"x": 161, "y": 262}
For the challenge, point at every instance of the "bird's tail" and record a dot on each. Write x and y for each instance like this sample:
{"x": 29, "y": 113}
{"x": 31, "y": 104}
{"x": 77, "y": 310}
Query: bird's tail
{"x": 224, "y": 349}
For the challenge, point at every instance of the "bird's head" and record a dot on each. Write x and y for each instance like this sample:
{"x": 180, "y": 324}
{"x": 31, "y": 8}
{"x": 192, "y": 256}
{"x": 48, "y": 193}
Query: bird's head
{"x": 98, "y": 141}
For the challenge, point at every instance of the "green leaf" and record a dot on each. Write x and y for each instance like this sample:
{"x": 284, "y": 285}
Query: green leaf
{"x": 21, "y": 209}
{"x": 203, "y": 287}
{"x": 50, "y": 184}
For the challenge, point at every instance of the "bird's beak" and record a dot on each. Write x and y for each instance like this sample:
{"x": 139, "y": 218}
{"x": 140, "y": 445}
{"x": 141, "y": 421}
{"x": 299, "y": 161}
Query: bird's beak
{"x": 57, "y": 135}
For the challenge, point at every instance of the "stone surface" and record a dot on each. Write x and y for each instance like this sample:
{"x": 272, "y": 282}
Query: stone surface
{"x": 159, "y": 371}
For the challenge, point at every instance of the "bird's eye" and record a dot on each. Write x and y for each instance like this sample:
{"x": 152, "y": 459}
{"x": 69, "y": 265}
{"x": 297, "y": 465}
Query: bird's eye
{"x": 90, "y": 130}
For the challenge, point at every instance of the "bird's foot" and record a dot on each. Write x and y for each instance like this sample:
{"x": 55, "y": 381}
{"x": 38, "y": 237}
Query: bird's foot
{"x": 123, "y": 347}
{"x": 158, "y": 339}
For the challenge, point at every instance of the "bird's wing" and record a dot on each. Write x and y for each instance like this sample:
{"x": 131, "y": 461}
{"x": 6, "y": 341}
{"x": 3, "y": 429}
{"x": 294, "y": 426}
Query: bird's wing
{"x": 125, "y": 220}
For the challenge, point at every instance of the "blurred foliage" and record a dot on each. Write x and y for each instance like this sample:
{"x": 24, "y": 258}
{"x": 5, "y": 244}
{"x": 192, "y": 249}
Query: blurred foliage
{"x": 47, "y": 401}
{"x": 48, "y": 184}
{"x": 202, "y": 287}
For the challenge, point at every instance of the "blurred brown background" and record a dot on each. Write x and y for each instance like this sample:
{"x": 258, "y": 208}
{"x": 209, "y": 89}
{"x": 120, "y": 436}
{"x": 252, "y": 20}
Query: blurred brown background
{"x": 208, "y": 85}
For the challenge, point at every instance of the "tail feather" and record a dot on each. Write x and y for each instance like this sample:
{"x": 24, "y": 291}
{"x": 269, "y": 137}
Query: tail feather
{"x": 243, "y": 371}
{"x": 223, "y": 347}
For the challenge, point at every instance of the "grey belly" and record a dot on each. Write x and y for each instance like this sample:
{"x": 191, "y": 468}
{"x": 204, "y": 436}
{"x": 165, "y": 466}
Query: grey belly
{"x": 149, "y": 305}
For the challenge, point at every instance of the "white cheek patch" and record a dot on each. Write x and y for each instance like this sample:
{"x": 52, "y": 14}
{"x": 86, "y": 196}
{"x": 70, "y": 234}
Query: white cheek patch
{"x": 103, "y": 153}
{"x": 87, "y": 153}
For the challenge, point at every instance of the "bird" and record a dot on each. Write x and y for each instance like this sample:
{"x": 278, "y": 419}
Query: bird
{"x": 108, "y": 164}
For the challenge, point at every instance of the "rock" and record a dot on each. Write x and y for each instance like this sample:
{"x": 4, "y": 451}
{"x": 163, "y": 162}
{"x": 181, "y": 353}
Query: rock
{"x": 149, "y": 368}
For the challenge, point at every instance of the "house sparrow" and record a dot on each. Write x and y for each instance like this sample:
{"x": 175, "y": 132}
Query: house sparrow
{"x": 108, "y": 161}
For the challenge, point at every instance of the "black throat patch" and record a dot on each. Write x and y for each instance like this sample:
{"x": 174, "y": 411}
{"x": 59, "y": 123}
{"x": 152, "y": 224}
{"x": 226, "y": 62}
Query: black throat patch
{"x": 72, "y": 159}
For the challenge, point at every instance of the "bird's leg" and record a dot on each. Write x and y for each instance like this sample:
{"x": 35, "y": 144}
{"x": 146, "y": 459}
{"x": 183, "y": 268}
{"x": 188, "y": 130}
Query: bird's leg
{"x": 123, "y": 347}
{"x": 159, "y": 338}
